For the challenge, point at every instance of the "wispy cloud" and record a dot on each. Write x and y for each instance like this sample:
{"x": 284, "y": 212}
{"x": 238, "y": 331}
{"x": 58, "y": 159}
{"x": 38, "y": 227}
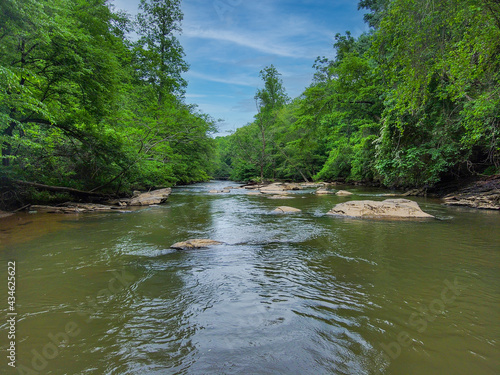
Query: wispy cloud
{"x": 233, "y": 80}
{"x": 255, "y": 41}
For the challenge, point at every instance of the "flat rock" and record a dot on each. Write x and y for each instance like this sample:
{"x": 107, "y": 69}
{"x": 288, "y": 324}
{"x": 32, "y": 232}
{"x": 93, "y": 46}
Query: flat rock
{"x": 483, "y": 194}
{"x": 323, "y": 192}
{"x": 487, "y": 200}
{"x": 286, "y": 210}
{"x": 343, "y": 193}
{"x": 312, "y": 184}
{"x": 389, "y": 208}
{"x": 195, "y": 244}
{"x": 292, "y": 186}
{"x": 280, "y": 196}
{"x": 254, "y": 193}
{"x": 5, "y": 214}
{"x": 153, "y": 197}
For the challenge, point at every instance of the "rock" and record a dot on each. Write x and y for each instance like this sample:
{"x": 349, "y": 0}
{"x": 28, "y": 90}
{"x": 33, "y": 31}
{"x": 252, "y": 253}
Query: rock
{"x": 228, "y": 188}
{"x": 483, "y": 194}
{"x": 254, "y": 193}
{"x": 273, "y": 192}
{"x": 415, "y": 192}
{"x": 153, "y": 197}
{"x": 252, "y": 186}
{"x": 292, "y": 187}
{"x": 275, "y": 188}
{"x": 389, "y": 208}
{"x": 195, "y": 244}
{"x": 322, "y": 191}
{"x": 312, "y": 185}
{"x": 280, "y": 196}
{"x": 286, "y": 210}
{"x": 219, "y": 191}
{"x": 5, "y": 214}
{"x": 343, "y": 193}
{"x": 487, "y": 200}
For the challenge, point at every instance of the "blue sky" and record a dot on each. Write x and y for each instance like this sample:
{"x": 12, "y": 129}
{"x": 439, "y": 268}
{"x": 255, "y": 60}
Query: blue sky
{"x": 228, "y": 42}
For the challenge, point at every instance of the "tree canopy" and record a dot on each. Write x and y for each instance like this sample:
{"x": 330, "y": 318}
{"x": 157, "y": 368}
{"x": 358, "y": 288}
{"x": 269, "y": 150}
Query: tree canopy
{"x": 83, "y": 106}
{"x": 412, "y": 102}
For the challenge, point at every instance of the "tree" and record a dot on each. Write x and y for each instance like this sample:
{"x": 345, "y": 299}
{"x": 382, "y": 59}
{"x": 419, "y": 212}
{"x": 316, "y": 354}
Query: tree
{"x": 269, "y": 100}
{"x": 160, "y": 54}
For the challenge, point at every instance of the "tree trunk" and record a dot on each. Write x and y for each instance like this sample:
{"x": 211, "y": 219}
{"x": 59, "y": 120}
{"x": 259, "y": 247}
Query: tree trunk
{"x": 6, "y": 146}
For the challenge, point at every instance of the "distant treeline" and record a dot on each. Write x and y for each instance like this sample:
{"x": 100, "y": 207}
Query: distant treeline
{"x": 414, "y": 101}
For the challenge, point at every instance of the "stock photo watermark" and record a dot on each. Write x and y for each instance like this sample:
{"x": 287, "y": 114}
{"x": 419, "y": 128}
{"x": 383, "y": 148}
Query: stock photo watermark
{"x": 224, "y": 8}
{"x": 11, "y": 314}
{"x": 56, "y": 342}
{"x": 421, "y": 319}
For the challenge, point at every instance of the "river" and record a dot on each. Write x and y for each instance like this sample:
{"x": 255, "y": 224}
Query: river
{"x": 301, "y": 294}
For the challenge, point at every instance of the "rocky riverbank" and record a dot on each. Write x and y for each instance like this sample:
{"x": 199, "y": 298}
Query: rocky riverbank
{"x": 138, "y": 199}
{"x": 483, "y": 194}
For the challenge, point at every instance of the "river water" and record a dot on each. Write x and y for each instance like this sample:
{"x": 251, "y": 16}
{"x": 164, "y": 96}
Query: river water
{"x": 288, "y": 294}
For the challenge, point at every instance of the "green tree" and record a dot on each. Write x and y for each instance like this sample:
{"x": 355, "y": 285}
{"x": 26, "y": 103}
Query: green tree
{"x": 269, "y": 100}
{"x": 160, "y": 54}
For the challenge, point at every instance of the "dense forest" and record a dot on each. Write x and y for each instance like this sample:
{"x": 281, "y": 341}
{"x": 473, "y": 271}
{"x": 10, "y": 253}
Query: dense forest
{"x": 412, "y": 102}
{"x": 84, "y": 106}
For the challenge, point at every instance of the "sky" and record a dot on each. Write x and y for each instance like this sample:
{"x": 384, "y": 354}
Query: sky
{"x": 228, "y": 42}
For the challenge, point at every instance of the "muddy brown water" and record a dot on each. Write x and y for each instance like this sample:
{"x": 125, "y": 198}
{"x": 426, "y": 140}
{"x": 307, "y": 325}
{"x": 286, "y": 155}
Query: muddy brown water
{"x": 288, "y": 294}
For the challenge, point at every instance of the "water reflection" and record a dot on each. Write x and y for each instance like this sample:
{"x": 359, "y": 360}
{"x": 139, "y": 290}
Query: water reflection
{"x": 288, "y": 294}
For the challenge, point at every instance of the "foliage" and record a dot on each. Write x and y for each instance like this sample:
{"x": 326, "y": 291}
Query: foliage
{"x": 412, "y": 102}
{"x": 82, "y": 106}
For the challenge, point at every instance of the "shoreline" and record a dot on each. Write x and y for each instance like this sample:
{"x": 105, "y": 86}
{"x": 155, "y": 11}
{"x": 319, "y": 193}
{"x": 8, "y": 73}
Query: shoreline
{"x": 481, "y": 193}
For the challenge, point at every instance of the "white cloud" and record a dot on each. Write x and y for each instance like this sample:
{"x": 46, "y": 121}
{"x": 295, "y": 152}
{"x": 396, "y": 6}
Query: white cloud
{"x": 234, "y": 80}
{"x": 254, "y": 41}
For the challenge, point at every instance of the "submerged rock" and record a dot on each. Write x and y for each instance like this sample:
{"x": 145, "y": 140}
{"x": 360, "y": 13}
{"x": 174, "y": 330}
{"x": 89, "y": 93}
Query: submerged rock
{"x": 389, "y": 208}
{"x": 195, "y": 244}
{"x": 343, "y": 193}
{"x": 286, "y": 210}
{"x": 153, "y": 197}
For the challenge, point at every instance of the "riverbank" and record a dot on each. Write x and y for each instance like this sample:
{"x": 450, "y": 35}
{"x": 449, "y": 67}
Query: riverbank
{"x": 483, "y": 193}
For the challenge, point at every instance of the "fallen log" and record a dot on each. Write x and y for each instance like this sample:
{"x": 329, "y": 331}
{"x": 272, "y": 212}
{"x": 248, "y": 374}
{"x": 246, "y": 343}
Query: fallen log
{"x": 62, "y": 189}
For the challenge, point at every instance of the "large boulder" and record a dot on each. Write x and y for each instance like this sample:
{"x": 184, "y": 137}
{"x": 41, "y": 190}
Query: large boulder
{"x": 152, "y": 197}
{"x": 195, "y": 244}
{"x": 286, "y": 210}
{"x": 389, "y": 208}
